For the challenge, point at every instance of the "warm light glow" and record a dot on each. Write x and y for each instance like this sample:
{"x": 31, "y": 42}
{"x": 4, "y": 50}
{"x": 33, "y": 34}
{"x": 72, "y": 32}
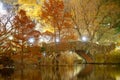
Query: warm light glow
{"x": 44, "y": 53}
{"x": 108, "y": 24}
{"x": 10, "y": 37}
{"x": 75, "y": 26}
{"x": 45, "y": 39}
{"x": 117, "y": 48}
{"x": 97, "y": 42}
{"x": 41, "y": 40}
{"x": 32, "y": 7}
{"x": 26, "y": 1}
{"x": 70, "y": 52}
{"x": 118, "y": 78}
{"x": 42, "y": 29}
{"x": 48, "y": 28}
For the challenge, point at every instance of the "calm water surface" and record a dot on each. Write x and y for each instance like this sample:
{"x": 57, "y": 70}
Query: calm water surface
{"x": 76, "y": 72}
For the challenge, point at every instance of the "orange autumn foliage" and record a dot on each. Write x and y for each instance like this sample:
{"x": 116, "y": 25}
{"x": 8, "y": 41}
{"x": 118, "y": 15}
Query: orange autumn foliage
{"x": 24, "y": 26}
{"x": 54, "y": 13}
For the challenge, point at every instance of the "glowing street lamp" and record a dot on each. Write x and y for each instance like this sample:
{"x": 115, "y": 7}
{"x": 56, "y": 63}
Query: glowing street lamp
{"x": 41, "y": 40}
{"x": 31, "y": 40}
{"x": 44, "y": 53}
{"x": 57, "y": 40}
{"x": 108, "y": 24}
{"x": 70, "y": 52}
{"x": 10, "y": 37}
{"x": 84, "y": 38}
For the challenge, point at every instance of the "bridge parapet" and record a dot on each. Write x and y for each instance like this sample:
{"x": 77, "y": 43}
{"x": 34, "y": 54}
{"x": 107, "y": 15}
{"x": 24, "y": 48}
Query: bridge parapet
{"x": 91, "y": 47}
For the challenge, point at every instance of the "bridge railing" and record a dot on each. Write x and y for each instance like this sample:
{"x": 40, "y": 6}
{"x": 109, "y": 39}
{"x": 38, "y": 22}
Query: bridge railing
{"x": 77, "y": 45}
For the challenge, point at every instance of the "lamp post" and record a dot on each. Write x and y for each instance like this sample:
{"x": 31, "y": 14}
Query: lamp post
{"x": 84, "y": 39}
{"x": 31, "y": 40}
{"x": 10, "y": 38}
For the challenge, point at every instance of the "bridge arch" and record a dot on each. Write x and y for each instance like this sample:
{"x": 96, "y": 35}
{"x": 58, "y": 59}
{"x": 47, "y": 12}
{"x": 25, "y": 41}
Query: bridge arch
{"x": 80, "y": 48}
{"x": 86, "y": 56}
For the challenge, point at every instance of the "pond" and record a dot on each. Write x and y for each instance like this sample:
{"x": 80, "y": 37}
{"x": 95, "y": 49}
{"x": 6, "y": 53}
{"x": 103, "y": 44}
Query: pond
{"x": 76, "y": 72}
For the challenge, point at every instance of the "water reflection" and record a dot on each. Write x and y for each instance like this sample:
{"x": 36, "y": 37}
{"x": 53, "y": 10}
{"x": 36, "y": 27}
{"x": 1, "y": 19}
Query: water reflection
{"x": 6, "y": 73}
{"x": 76, "y": 72}
{"x": 60, "y": 72}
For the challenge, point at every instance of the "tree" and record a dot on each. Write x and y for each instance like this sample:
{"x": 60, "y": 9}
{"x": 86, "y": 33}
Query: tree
{"x": 5, "y": 31}
{"x": 47, "y": 36}
{"x": 94, "y": 18}
{"x": 32, "y": 8}
{"x": 68, "y": 34}
{"x": 53, "y": 13}
{"x": 24, "y": 33}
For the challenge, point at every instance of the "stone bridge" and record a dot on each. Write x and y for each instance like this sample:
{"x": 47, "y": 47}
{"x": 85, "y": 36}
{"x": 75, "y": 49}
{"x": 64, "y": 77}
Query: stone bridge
{"x": 85, "y": 50}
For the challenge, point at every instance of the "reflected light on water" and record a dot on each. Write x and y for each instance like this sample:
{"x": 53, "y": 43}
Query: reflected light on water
{"x": 117, "y": 77}
{"x": 78, "y": 69}
{"x": 76, "y": 72}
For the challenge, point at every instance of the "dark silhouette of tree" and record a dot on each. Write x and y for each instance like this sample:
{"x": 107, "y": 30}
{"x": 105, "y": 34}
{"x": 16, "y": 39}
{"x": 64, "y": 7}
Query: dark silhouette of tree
{"x": 6, "y": 28}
